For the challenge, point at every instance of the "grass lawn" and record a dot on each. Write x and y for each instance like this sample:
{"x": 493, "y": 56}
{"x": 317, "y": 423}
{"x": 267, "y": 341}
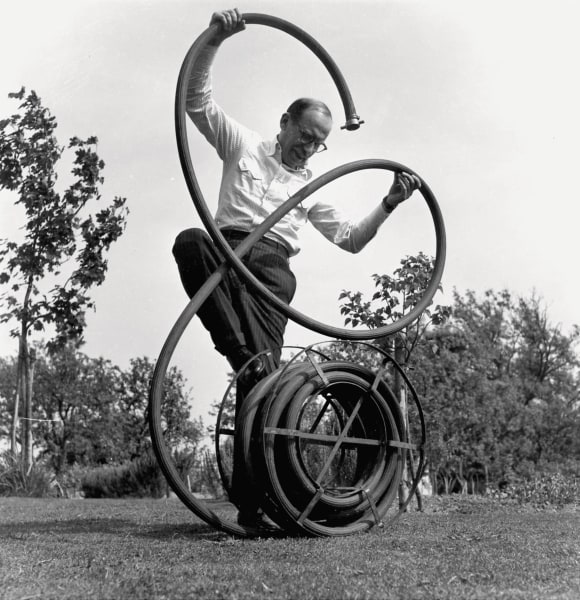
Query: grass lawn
{"x": 459, "y": 548}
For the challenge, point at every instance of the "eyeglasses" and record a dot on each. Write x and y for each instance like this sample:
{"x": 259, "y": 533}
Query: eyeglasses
{"x": 307, "y": 139}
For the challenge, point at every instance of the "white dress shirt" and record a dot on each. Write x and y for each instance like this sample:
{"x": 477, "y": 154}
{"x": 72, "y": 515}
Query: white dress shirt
{"x": 255, "y": 182}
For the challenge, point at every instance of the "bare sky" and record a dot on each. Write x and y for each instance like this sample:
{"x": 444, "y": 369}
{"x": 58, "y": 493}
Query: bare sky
{"x": 480, "y": 98}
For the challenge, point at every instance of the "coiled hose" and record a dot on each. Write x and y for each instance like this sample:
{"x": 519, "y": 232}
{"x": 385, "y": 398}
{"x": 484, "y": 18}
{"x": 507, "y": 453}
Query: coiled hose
{"x": 323, "y": 443}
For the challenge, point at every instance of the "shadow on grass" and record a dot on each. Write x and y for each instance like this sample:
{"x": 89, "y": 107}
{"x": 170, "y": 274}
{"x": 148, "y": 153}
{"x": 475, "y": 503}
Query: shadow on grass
{"x": 139, "y": 521}
{"x": 196, "y": 530}
{"x": 23, "y": 530}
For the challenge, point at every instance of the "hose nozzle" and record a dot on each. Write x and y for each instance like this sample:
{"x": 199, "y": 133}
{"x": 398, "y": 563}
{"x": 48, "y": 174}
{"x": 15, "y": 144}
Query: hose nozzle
{"x": 352, "y": 123}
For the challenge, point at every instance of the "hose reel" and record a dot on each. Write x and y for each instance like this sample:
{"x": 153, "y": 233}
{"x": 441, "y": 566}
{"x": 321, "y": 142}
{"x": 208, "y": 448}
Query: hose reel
{"x": 323, "y": 443}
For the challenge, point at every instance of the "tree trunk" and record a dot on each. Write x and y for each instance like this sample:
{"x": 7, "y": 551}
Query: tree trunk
{"x": 60, "y": 459}
{"x": 486, "y": 471}
{"x": 402, "y": 396}
{"x": 433, "y": 477}
{"x": 28, "y": 366}
{"x": 17, "y": 396}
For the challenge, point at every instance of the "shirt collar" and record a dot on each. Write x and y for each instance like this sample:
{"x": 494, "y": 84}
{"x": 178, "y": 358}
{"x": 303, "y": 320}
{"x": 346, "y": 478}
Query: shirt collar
{"x": 273, "y": 149}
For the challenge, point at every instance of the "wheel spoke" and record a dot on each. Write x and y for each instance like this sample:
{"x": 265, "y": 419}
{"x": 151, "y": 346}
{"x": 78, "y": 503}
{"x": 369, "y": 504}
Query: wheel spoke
{"x": 323, "y": 438}
{"x": 340, "y": 440}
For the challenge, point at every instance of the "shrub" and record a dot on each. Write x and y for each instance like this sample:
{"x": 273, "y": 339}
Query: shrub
{"x": 16, "y": 480}
{"x": 209, "y": 480}
{"x": 548, "y": 489}
{"x": 69, "y": 480}
{"x": 139, "y": 478}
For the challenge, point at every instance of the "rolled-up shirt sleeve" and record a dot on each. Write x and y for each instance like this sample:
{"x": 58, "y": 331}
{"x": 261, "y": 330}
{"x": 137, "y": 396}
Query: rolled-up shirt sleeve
{"x": 237, "y": 203}
{"x": 224, "y": 133}
{"x": 347, "y": 234}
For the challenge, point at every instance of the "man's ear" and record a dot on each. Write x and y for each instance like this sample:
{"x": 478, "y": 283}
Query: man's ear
{"x": 284, "y": 120}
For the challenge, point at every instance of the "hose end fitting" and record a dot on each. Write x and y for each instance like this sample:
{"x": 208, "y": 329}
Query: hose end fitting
{"x": 352, "y": 123}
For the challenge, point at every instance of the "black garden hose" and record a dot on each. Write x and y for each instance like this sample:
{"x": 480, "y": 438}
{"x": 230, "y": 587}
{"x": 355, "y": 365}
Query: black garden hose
{"x": 233, "y": 256}
{"x": 366, "y": 506}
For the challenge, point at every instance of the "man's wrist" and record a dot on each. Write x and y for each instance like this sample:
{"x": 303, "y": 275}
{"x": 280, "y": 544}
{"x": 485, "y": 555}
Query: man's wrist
{"x": 387, "y": 207}
{"x": 215, "y": 41}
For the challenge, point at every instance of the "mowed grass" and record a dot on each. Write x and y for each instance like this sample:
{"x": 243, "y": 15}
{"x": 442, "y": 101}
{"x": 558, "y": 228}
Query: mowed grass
{"x": 459, "y": 548}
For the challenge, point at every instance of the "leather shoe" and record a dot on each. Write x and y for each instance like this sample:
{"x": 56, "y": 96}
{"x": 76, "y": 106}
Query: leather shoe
{"x": 256, "y": 521}
{"x": 255, "y": 371}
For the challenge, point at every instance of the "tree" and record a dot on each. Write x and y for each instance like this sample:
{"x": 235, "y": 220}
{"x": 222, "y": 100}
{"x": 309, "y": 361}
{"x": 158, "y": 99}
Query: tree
{"x": 90, "y": 412}
{"x": 499, "y": 383}
{"x": 396, "y": 296}
{"x": 180, "y": 431}
{"x": 75, "y": 398}
{"x": 488, "y": 330}
{"x": 506, "y": 404}
{"x": 546, "y": 353}
{"x": 64, "y": 243}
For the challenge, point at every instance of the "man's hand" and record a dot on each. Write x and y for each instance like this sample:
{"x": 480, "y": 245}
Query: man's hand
{"x": 229, "y": 22}
{"x": 403, "y": 186}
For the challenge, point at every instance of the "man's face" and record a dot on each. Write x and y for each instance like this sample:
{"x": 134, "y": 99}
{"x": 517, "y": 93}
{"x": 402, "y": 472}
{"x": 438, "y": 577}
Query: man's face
{"x": 301, "y": 138}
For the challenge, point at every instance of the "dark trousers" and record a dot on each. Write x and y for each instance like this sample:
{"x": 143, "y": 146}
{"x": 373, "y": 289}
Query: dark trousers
{"x": 233, "y": 314}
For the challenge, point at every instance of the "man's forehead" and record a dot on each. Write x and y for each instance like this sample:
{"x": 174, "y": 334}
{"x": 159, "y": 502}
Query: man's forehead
{"x": 314, "y": 118}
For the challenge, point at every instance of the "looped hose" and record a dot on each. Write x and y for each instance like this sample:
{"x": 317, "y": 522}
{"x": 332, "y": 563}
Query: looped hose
{"x": 348, "y": 491}
{"x": 233, "y": 256}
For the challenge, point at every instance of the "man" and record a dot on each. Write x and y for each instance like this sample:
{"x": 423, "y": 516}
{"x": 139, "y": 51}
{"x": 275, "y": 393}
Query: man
{"x": 258, "y": 176}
